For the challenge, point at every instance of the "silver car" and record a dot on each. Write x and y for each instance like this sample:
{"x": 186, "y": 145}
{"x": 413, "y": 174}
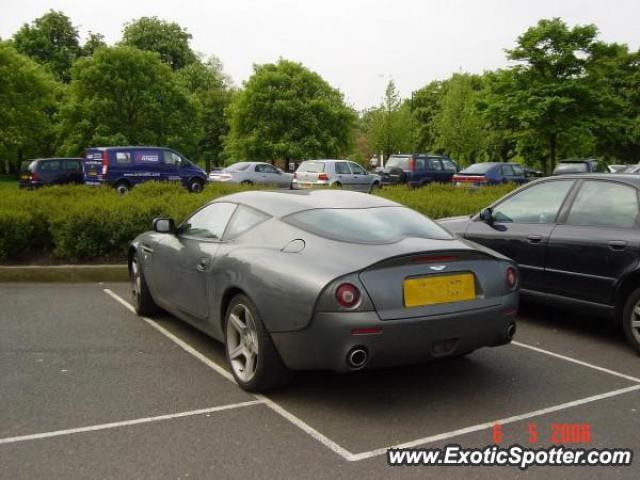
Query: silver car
{"x": 323, "y": 280}
{"x": 249, "y": 173}
{"x": 334, "y": 173}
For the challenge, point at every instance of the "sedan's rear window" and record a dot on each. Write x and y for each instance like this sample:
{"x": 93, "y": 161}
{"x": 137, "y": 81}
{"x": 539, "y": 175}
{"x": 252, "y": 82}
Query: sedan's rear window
{"x": 238, "y": 167}
{"x": 367, "y": 225}
{"x": 311, "y": 167}
{"x": 478, "y": 168}
{"x": 571, "y": 168}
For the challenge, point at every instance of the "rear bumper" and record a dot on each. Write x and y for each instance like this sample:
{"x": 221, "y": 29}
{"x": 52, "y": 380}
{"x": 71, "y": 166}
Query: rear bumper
{"x": 327, "y": 341}
{"x": 300, "y": 185}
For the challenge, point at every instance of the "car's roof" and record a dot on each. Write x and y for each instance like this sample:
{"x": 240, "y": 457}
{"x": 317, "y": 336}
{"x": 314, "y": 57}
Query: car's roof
{"x": 151, "y": 147}
{"x": 285, "y": 202}
{"x": 55, "y": 158}
{"x": 326, "y": 160}
{"x": 621, "y": 177}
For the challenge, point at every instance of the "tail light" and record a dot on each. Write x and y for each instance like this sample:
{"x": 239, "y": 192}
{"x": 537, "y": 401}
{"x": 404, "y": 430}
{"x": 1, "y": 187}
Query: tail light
{"x": 105, "y": 162}
{"x": 455, "y": 178}
{"x": 33, "y": 177}
{"x": 511, "y": 277}
{"x": 323, "y": 176}
{"x": 412, "y": 164}
{"x": 347, "y": 295}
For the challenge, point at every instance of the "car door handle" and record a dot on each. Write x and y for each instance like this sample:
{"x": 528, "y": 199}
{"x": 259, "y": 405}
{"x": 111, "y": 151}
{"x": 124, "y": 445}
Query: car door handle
{"x": 203, "y": 264}
{"x": 534, "y": 238}
{"x": 617, "y": 244}
{"x": 146, "y": 248}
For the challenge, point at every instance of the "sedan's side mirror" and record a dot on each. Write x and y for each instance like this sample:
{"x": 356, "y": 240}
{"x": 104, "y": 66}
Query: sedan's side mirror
{"x": 164, "y": 225}
{"x": 486, "y": 215}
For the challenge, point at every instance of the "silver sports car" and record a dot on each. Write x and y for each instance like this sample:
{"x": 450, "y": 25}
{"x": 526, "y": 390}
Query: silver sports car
{"x": 323, "y": 279}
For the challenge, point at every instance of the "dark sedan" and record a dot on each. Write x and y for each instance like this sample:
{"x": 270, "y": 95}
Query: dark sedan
{"x": 576, "y": 239}
{"x": 491, "y": 173}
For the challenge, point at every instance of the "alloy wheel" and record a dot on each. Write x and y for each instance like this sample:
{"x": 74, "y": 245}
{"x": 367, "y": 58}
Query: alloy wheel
{"x": 635, "y": 321}
{"x": 242, "y": 342}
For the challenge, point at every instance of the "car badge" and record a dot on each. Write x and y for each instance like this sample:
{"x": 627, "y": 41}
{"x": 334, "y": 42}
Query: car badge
{"x": 438, "y": 268}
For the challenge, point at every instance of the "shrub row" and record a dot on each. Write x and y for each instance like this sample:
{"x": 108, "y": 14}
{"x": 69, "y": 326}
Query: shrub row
{"x": 79, "y": 223}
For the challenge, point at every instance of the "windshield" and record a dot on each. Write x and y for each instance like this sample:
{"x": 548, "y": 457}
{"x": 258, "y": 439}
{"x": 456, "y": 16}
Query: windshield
{"x": 238, "y": 167}
{"x": 311, "y": 167}
{"x": 478, "y": 168}
{"x": 571, "y": 168}
{"x": 368, "y": 225}
{"x": 398, "y": 162}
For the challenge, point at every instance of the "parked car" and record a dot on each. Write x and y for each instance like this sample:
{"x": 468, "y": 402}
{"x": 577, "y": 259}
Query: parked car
{"x": 533, "y": 173}
{"x": 580, "y": 165}
{"x": 249, "y": 173}
{"x": 576, "y": 240}
{"x": 50, "y": 171}
{"x": 632, "y": 169}
{"x": 491, "y": 173}
{"x": 334, "y": 173}
{"x": 125, "y": 167}
{"x": 417, "y": 170}
{"x": 323, "y": 280}
{"x": 617, "y": 168}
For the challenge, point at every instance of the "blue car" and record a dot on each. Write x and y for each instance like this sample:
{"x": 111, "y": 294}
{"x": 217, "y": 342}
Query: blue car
{"x": 491, "y": 173}
{"x": 124, "y": 167}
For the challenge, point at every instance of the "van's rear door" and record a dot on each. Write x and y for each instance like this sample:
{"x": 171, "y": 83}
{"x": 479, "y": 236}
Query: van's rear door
{"x": 92, "y": 166}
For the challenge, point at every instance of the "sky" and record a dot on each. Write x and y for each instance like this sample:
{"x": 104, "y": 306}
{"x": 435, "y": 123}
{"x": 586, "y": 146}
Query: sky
{"x": 356, "y": 45}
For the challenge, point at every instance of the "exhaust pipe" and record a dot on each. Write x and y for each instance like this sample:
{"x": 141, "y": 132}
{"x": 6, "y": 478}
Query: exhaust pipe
{"x": 511, "y": 331}
{"x": 357, "y": 358}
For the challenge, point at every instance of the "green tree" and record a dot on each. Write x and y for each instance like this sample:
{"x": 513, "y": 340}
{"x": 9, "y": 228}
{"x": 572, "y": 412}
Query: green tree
{"x": 211, "y": 90}
{"x": 94, "y": 41}
{"x": 51, "y": 40}
{"x": 123, "y": 95}
{"x": 389, "y": 126}
{"x": 458, "y": 126}
{"x": 28, "y": 96}
{"x": 425, "y": 105}
{"x": 548, "y": 94}
{"x": 168, "y": 39}
{"x": 285, "y": 111}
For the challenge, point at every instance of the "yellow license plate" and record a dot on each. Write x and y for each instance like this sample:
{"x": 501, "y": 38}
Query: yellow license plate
{"x": 92, "y": 174}
{"x": 24, "y": 177}
{"x": 435, "y": 289}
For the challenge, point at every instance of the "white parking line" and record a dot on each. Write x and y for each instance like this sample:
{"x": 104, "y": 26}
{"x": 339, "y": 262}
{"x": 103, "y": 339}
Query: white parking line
{"x": 487, "y": 425}
{"x": 354, "y": 457}
{"x": 302, "y": 425}
{"x": 126, "y": 423}
{"x": 576, "y": 361}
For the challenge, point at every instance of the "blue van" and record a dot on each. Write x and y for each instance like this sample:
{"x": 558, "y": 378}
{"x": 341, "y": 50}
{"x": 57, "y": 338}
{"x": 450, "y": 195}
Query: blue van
{"x": 124, "y": 167}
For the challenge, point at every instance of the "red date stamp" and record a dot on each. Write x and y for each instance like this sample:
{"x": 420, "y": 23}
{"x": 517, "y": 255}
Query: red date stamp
{"x": 557, "y": 434}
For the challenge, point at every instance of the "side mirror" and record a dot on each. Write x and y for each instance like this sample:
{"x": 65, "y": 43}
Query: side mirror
{"x": 486, "y": 215}
{"x": 164, "y": 225}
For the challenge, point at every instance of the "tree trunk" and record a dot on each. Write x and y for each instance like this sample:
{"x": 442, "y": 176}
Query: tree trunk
{"x": 553, "y": 141}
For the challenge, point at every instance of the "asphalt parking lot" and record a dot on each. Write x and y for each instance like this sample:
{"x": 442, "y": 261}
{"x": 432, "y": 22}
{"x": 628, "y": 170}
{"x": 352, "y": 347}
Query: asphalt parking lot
{"x": 90, "y": 390}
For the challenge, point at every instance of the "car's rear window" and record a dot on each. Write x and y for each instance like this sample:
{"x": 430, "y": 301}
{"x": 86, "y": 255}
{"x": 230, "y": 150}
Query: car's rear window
{"x": 367, "y": 225}
{"x": 478, "y": 168}
{"x": 238, "y": 167}
{"x": 571, "y": 168}
{"x": 311, "y": 167}
{"x": 397, "y": 162}
{"x": 27, "y": 165}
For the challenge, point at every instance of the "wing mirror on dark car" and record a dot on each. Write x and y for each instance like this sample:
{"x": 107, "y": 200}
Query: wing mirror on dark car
{"x": 164, "y": 225}
{"x": 486, "y": 215}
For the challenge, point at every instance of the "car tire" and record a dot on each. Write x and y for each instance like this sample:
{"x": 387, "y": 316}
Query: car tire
{"x": 142, "y": 300}
{"x": 375, "y": 186}
{"x": 336, "y": 185}
{"x": 122, "y": 187}
{"x": 631, "y": 319}
{"x": 246, "y": 337}
{"x": 246, "y": 183}
{"x": 196, "y": 185}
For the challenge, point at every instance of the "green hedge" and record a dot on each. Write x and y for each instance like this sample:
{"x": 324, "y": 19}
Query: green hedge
{"x": 78, "y": 223}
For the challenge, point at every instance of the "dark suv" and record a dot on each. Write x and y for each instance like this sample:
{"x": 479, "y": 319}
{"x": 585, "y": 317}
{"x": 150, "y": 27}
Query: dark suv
{"x": 50, "y": 171}
{"x": 417, "y": 170}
